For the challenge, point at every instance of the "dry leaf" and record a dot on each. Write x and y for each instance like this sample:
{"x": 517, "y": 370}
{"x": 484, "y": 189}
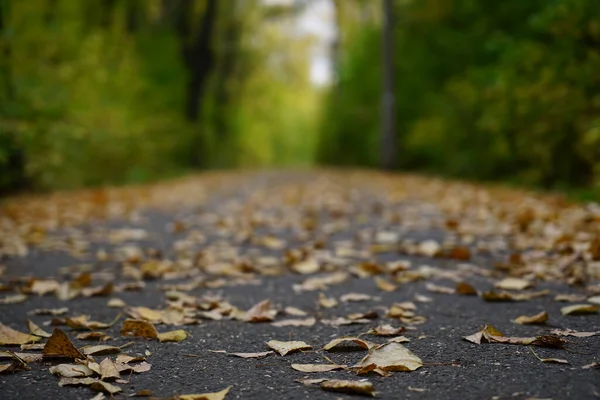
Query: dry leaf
{"x": 492, "y": 335}
{"x": 549, "y": 360}
{"x": 571, "y": 298}
{"x": 365, "y": 344}
{"x": 539, "y": 318}
{"x": 295, "y": 322}
{"x": 260, "y": 312}
{"x": 205, "y": 396}
{"x": 386, "y": 330}
{"x": 101, "y": 386}
{"x": 100, "y": 350}
{"x": 385, "y": 285}
{"x": 317, "y": 367}
{"x": 59, "y": 345}
{"x": 36, "y": 330}
{"x": 296, "y": 312}
{"x": 77, "y": 381}
{"x": 139, "y": 328}
{"x": 594, "y": 300}
{"x": 580, "y": 309}
{"x": 327, "y": 302}
{"x": 251, "y": 355}
{"x": 284, "y": 348}
{"x": 9, "y": 336}
{"x": 172, "y": 336}
{"x": 507, "y": 296}
{"x": 399, "y": 339}
{"x": 116, "y": 303}
{"x": 513, "y": 284}
{"x": 50, "y": 311}
{"x": 570, "y": 332}
{"x": 14, "y": 299}
{"x": 465, "y": 289}
{"x": 439, "y": 289}
{"x": 108, "y": 369}
{"x": 309, "y": 266}
{"x": 362, "y": 388}
{"x": 100, "y": 336}
{"x": 355, "y": 297}
{"x": 345, "y": 321}
{"x": 144, "y": 313}
{"x": 82, "y": 322}
{"x": 390, "y": 357}
{"x": 71, "y": 370}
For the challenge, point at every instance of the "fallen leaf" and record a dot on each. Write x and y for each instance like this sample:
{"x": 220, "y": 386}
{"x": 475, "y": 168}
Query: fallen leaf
{"x": 205, "y": 396}
{"x": 345, "y": 321}
{"x": 309, "y": 266}
{"x": 139, "y": 328}
{"x": 71, "y": 370}
{"x": 284, "y": 348}
{"x": 390, "y": 357}
{"x": 252, "y": 355}
{"x": 317, "y": 367}
{"x": 116, "y": 303}
{"x": 100, "y": 350}
{"x": 418, "y": 390}
{"x": 295, "y": 322}
{"x": 309, "y": 382}
{"x": 92, "y": 336}
{"x": 9, "y": 336}
{"x": 144, "y": 313}
{"x": 26, "y": 357}
{"x": 507, "y": 296}
{"x": 33, "y": 346}
{"x": 465, "y": 289}
{"x": 82, "y": 322}
{"x": 101, "y": 386}
{"x": 365, "y": 344}
{"x": 490, "y": 334}
{"x": 386, "y": 330}
{"x": 362, "y": 388}
{"x": 580, "y": 309}
{"x": 439, "y": 289}
{"x": 108, "y": 369}
{"x": 355, "y": 297}
{"x": 571, "y": 298}
{"x": 77, "y": 381}
{"x": 172, "y": 336}
{"x": 594, "y": 365}
{"x": 539, "y": 318}
{"x": 513, "y": 284}
{"x": 385, "y": 285}
{"x": 50, "y": 311}
{"x": 399, "y": 339}
{"x": 296, "y": 312}
{"x": 327, "y": 302}
{"x": 549, "y": 360}
{"x": 260, "y": 312}
{"x": 14, "y": 299}
{"x": 594, "y": 300}
{"x": 59, "y": 345}
{"x": 36, "y": 330}
{"x": 570, "y": 332}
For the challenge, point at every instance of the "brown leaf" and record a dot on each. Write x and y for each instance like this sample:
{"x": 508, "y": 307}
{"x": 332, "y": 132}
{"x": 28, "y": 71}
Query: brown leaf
{"x": 284, "y": 348}
{"x": 570, "y": 332}
{"x": 362, "y": 388}
{"x": 439, "y": 289}
{"x": 513, "y": 284}
{"x": 77, "y": 381}
{"x": 9, "y": 336}
{"x": 100, "y": 350}
{"x": 391, "y": 357}
{"x": 386, "y": 330}
{"x": 101, "y": 386}
{"x": 260, "y": 312}
{"x": 385, "y": 285}
{"x": 355, "y": 297}
{"x": 465, "y": 289}
{"x": 295, "y": 322}
{"x": 14, "y": 299}
{"x": 327, "y": 302}
{"x": 36, "y": 330}
{"x": 365, "y": 344}
{"x": 100, "y": 336}
{"x": 71, "y": 370}
{"x": 59, "y": 345}
{"x": 108, "y": 369}
{"x": 205, "y": 396}
{"x": 539, "y": 318}
{"x": 317, "y": 367}
{"x": 580, "y": 309}
{"x": 251, "y": 355}
{"x": 139, "y": 328}
{"x": 172, "y": 336}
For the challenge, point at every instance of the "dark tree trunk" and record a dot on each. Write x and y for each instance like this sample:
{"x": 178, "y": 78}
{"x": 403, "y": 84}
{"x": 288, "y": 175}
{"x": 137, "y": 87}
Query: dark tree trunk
{"x": 107, "y": 13}
{"x": 134, "y": 13}
{"x": 198, "y": 57}
{"x": 50, "y": 13}
{"x": 388, "y": 127}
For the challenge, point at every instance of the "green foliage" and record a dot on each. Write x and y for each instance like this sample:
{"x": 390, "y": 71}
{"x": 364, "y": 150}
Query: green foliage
{"x": 484, "y": 90}
{"x": 98, "y": 94}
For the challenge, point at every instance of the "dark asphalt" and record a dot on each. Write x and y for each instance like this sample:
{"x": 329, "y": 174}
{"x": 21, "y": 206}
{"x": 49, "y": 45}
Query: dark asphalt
{"x": 454, "y": 368}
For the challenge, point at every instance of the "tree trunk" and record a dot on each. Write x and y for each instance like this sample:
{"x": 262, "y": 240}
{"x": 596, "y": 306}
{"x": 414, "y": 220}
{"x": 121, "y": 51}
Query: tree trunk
{"x": 107, "y": 13}
{"x": 388, "y": 128}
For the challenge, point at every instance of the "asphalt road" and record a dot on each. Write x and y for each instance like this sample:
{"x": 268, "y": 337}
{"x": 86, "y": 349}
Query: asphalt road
{"x": 333, "y": 213}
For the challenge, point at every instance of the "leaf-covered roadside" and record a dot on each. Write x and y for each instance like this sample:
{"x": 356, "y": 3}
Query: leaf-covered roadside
{"x": 343, "y": 275}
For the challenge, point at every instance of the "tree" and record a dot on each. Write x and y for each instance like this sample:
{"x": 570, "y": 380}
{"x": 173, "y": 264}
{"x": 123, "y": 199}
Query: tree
{"x": 388, "y": 132}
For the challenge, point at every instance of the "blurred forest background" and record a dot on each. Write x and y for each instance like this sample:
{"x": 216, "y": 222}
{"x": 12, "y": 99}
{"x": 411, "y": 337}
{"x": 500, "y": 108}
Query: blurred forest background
{"x": 117, "y": 91}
